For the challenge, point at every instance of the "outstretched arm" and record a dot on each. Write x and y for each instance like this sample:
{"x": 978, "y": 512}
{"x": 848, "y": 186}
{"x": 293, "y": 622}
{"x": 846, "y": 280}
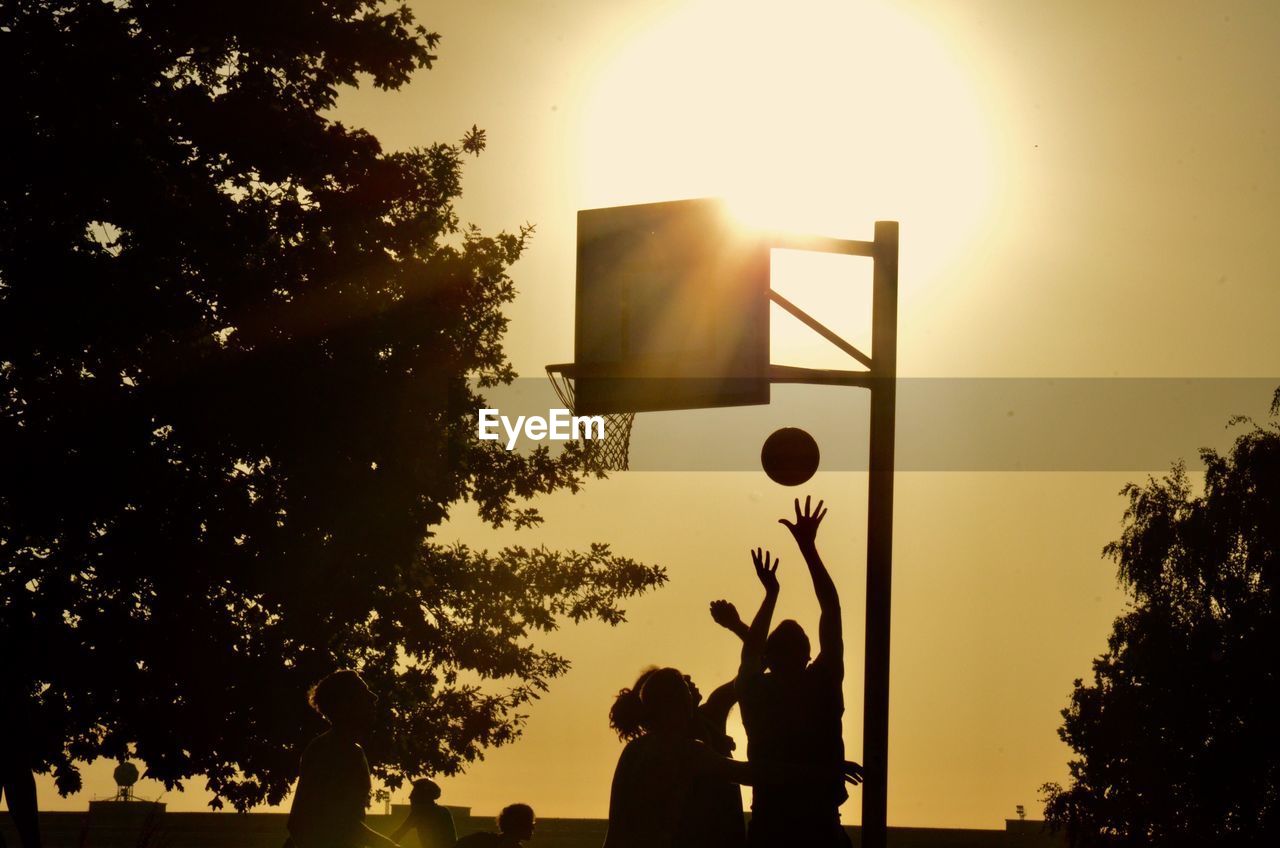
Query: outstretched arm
{"x": 830, "y": 628}
{"x": 773, "y": 773}
{"x": 718, "y": 704}
{"x": 758, "y": 633}
{"x": 726, "y": 615}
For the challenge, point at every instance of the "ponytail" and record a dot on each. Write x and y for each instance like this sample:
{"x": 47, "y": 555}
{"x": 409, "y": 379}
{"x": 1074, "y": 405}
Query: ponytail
{"x": 627, "y": 715}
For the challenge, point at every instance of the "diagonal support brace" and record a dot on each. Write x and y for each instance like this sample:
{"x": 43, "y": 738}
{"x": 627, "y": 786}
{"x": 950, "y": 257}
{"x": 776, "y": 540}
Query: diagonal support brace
{"x": 819, "y": 328}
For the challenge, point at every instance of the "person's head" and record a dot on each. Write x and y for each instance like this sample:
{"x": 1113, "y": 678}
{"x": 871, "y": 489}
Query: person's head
{"x": 666, "y": 700}
{"x": 626, "y": 716}
{"x": 344, "y": 700}
{"x": 516, "y": 821}
{"x": 633, "y": 712}
{"x": 786, "y": 651}
{"x": 425, "y": 792}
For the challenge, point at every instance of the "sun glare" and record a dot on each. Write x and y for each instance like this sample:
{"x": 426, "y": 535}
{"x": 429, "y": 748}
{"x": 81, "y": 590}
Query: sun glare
{"x": 821, "y": 116}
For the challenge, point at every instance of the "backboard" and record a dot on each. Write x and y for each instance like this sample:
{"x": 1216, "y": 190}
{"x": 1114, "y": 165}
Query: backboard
{"x": 672, "y": 309}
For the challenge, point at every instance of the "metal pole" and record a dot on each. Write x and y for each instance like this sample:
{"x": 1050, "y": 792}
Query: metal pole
{"x": 884, "y": 354}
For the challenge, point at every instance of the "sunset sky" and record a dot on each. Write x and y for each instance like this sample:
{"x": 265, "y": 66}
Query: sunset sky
{"x": 1085, "y": 189}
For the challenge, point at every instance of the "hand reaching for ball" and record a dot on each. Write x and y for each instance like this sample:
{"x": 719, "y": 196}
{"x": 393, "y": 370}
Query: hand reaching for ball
{"x": 726, "y": 615}
{"x": 766, "y": 569}
{"x": 805, "y": 527}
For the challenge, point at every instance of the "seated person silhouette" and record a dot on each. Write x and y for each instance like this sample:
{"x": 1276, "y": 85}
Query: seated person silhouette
{"x": 792, "y": 708}
{"x": 333, "y": 780}
{"x": 515, "y": 827}
{"x": 432, "y": 822}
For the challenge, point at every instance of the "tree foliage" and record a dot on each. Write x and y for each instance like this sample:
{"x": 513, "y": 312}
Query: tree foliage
{"x": 1176, "y": 737}
{"x": 241, "y": 350}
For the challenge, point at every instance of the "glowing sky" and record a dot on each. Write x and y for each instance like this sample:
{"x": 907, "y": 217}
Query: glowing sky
{"x": 1085, "y": 189}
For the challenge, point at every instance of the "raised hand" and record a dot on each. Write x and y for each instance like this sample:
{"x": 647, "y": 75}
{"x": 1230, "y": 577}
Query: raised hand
{"x": 726, "y": 615}
{"x": 805, "y": 527}
{"x": 767, "y": 575}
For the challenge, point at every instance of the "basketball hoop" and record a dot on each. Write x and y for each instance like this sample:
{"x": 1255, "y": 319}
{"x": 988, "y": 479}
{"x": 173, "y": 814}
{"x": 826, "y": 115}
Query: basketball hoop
{"x": 613, "y": 452}
{"x": 672, "y": 312}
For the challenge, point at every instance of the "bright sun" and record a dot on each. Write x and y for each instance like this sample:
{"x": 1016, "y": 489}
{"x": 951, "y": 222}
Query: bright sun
{"x": 820, "y": 116}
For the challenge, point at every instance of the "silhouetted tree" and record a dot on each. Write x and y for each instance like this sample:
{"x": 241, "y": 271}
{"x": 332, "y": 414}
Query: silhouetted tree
{"x": 1178, "y": 736}
{"x": 240, "y": 346}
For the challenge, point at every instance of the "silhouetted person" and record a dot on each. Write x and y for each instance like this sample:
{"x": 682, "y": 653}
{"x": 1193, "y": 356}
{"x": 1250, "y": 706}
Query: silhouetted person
{"x": 626, "y": 716}
{"x": 432, "y": 822}
{"x": 515, "y": 827}
{"x": 649, "y": 803}
{"x": 17, "y": 783}
{"x": 333, "y": 780}
{"x": 792, "y": 708}
{"x": 714, "y": 815}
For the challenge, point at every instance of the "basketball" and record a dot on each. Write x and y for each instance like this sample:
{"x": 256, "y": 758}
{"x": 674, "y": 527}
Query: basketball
{"x": 789, "y": 456}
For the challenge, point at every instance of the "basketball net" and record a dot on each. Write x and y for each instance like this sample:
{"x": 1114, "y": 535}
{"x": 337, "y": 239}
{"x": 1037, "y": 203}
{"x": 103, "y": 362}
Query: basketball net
{"x": 613, "y": 452}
